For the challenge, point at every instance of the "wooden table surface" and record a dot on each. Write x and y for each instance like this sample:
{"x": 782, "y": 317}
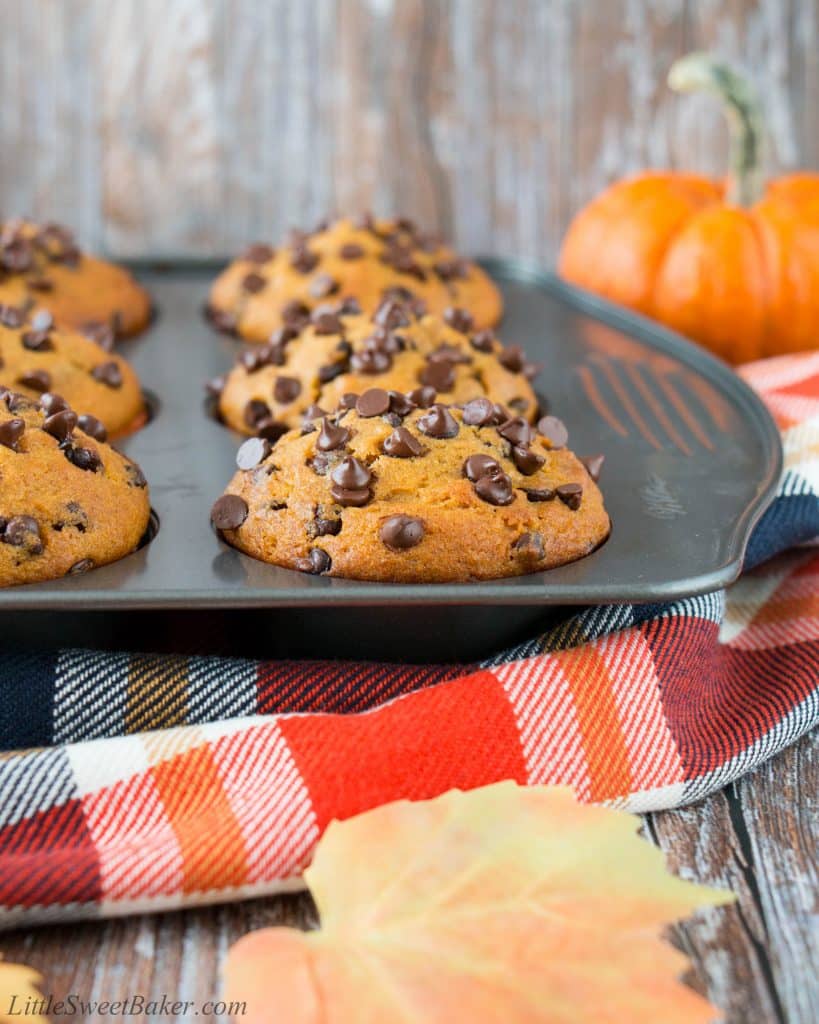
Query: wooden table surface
{"x": 758, "y": 959}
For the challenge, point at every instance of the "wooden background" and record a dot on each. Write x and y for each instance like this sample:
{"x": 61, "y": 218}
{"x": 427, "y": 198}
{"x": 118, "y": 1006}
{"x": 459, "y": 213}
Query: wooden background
{"x": 185, "y": 127}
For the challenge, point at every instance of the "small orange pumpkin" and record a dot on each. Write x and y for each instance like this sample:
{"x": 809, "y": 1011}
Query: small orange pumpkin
{"x": 733, "y": 265}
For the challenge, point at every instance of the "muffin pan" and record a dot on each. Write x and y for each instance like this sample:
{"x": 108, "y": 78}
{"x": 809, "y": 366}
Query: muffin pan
{"x": 692, "y": 460}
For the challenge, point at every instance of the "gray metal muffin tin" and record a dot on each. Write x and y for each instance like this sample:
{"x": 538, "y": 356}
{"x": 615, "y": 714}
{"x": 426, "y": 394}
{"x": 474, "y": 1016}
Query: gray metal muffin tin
{"x": 692, "y": 460}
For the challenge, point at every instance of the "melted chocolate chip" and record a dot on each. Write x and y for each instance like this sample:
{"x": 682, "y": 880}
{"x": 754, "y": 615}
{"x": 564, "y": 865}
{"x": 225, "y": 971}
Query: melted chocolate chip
{"x": 252, "y": 452}
{"x": 458, "y": 319}
{"x": 108, "y": 374}
{"x": 438, "y": 423}
{"x": 323, "y": 285}
{"x": 439, "y": 375}
{"x": 61, "y": 424}
{"x": 512, "y": 358}
{"x": 450, "y": 270}
{"x": 10, "y": 433}
{"x": 479, "y": 412}
{"x": 317, "y": 562}
{"x": 271, "y": 429}
{"x": 322, "y": 527}
{"x": 351, "y": 251}
{"x": 104, "y": 335}
{"x": 495, "y": 488}
{"x": 253, "y": 283}
{"x": 222, "y": 319}
{"x": 256, "y": 412}
{"x": 81, "y": 568}
{"x": 286, "y": 390}
{"x": 391, "y": 314}
{"x": 371, "y": 361}
{"x": 517, "y": 430}
{"x": 374, "y": 402}
{"x": 40, "y": 283}
{"x": 229, "y": 512}
{"x": 530, "y": 547}
{"x": 83, "y": 458}
{"x": 303, "y": 260}
{"x": 402, "y": 532}
{"x": 539, "y": 493}
{"x": 37, "y": 341}
{"x": 326, "y": 321}
{"x": 37, "y": 380}
{"x": 527, "y": 461}
{"x": 295, "y": 315}
{"x": 349, "y": 306}
{"x": 571, "y": 495}
{"x": 258, "y": 253}
{"x": 136, "y": 476}
{"x": 23, "y": 532}
{"x": 554, "y": 430}
{"x": 93, "y": 427}
{"x": 331, "y": 436}
{"x": 398, "y": 293}
{"x": 400, "y": 404}
{"x": 423, "y": 398}
{"x": 401, "y": 444}
{"x": 594, "y": 465}
{"x": 480, "y": 465}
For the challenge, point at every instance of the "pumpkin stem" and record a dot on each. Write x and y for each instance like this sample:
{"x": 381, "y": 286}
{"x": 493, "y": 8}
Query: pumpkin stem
{"x": 701, "y": 72}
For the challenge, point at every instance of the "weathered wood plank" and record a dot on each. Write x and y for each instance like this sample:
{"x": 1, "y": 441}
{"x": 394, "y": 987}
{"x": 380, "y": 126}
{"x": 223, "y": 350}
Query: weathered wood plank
{"x": 756, "y": 959}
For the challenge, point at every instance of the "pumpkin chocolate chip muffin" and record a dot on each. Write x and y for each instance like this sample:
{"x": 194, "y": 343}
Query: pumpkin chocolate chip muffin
{"x": 68, "y": 501}
{"x": 340, "y": 350}
{"x": 363, "y": 258}
{"x": 42, "y": 266}
{"x": 383, "y": 490}
{"x": 37, "y": 358}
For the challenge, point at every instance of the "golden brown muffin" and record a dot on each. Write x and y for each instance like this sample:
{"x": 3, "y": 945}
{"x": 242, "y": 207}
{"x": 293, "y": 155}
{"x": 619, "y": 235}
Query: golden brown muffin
{"x": 36, "y": 357}
{"x": 42, "y": 266}
{"x": 68, "y": 502}
{"x": 272, "y": 386}
{"x": 364, "y": 259}
{"x": 385, "y": 491}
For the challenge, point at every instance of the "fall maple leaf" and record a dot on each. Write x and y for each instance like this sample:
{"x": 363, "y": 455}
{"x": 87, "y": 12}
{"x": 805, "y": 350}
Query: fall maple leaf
{"x": 18, "y": 990}
{"x": 502, "y": 905}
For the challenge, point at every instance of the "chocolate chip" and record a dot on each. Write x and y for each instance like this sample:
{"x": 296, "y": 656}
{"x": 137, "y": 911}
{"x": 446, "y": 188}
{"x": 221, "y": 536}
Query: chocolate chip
{"x": 439, "y": 423}
{"x": 439, "y": 375}
{"x": 323, "y": 285}
{"x": 286, "y": 390}
{"x": 530, "y": 546}
{"x": 322, "y": 527}
{"x": 331, "y": 371}
{"x": 10, "y": 433}
{"x": 554, "y": 430}
{"x": 348, "y": 400}
{"x": 93, "y": 427}
{"x": 229, "y": 512}
{"x": 83, "y": 458}
{"x": 594, "y": 465}
{"x": 459, "y": 319}
{"x": 374, "y": 402}
{"x": 37, "y": 380}
{"x": 40, "y": 283}
{"x": 391, "y": 314}
{"x": 17, "y": 402}
{"x": 11, "y": 316}
{"x": 258, "y": 253}
{"x": 222, "y": 319}
{"x": 449, "y": 270}
{"x": 17, "y": 256}
{"x": 304, "y": 261}
{"x": 23, "y": 532}
{"x": 495, "y": 488}
{"x": 80, "y": 568}
{"x": 136, "y": 476}
{"x": 449, "y": 354}
{"x": 51, "y": 403}
{"x": 326, "y": 321}
{"x": 331, "y": 436}
{"x": 401, "y": 532}
{"x": 371, "y": 361}
{"x": 37, "y": 341}
{"x": 313, "y": 412}
{"x": 61, "y": 424}
{"x": 108, "y": 374}
{"x": 256, "y": 411}
{"x": 402, "y": 260}
{"x": 351, "y": 498}
{"x": 404, "y": 296}
{"x": 571, "y": 495}
{"x": 479, "y": 412}
{"x": 317, "y": 562}
{"x": 351, "y": 473}
{"x": 423, "y": 398}
{"x": 349, "y": 306}
{"x": 271, "y": 429}
{"x": 512, "y": 358}
{"x": 517, "y": 430}
{"x": 539, "y": 493}
{"x": 253, "y": 283}
{"x": 253, "y": 452}
{"x": 295, "y": 315}
{"x": 527, "y": 461}
{"x": 400, "y": 404}
{"x": 104, "y": 335}
{"x": 401, "y": 444}
{"x": 480, "y": 465}
{"x": 351, "y": 251}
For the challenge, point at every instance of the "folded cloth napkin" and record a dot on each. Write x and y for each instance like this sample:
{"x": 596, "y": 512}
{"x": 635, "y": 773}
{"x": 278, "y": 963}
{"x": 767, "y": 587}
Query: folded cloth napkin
{"x": 160, "y": 782}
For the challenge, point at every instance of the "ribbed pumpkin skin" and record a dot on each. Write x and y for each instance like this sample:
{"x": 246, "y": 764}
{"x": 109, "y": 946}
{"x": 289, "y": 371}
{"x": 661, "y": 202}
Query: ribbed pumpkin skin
{"x": 742, "y": 282}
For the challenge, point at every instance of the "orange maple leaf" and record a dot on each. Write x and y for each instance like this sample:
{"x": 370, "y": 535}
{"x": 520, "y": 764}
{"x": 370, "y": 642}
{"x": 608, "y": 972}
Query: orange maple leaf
{"x": 503, "y": 905}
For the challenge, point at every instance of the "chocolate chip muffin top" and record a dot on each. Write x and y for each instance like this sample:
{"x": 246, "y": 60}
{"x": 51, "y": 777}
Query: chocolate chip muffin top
{"x": 42, "y": 266}
{"x": 361, "y": 258}
{"x": 340, "y": 350}
{"x": 36, "y": 357}
{"x": 68, "y": 501}
{"x": 383, "y": 490}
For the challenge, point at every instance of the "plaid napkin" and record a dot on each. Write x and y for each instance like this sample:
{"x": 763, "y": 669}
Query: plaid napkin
{"x": 160, "y": 782}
